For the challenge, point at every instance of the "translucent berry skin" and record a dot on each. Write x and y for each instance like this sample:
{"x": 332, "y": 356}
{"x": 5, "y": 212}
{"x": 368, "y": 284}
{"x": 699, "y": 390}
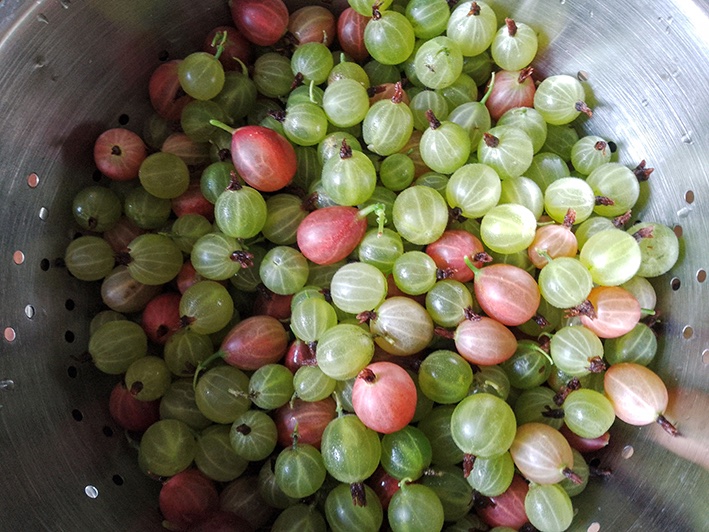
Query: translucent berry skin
{"x": 330, "y": 234}
{"x": 262, "y": 22}
{"x": 637, "y": 393}
{"x": 263, "y": 158}
{"x": 387, "y": 401}
{"x": 118, "y": 154}
{"x": 507, "y": 293}
{"x": 557, "y": 97}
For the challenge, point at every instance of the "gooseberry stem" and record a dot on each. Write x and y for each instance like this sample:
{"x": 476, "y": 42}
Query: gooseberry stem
{"x": 586, "y": 308}
{"x": 620, "y": 221}
{"x": 222, "y": 125}
{"x": 544, "y": 254}
{"x": 569, "y": 218}
{"x": 540, "y": 320}
{"x": 297, "y": 80}
{"x": 404, "y": 481}
{"x": 601, "y": 146}
{"x": 583, "y": 108}
{"x": 244, "y": 258}
{"x": 479, "y": 257}
{"x": 553, "y": 413}
{"x": 294, "y": 436}
{"x": 443, "y": 332}
{"x": 546, "y": 355}
{"x": 339, "y": 410}
{"x": 596, "y": 365}
{"x": 367, "y": 375}
{"x": 468, "y": 463}
{"x": 669, "y": 427}
{"x": 641, "y": 172}
{"x": 645, "y": 232}
{"x": 565, "y": 390}
{"x": 345, "y": 150}
{"x": 398, "y": 93}
{"x": 311, "y": 91}
{"x": 489, "y": 89}
{"x": 244, "y": 68}
{"x": 572, "y": 476}
{"x": 604, "y": 200}
{"x": 376, "y": 13}
{"x": 433, "y": 122}
{"x": 491, "y": 141}
{"x": 524, "y": 74}
{"x": 243, "y": 429}
{"x": 377, "y": 208}
{"x": 204, "y": 364}
{"x": 234, "y": 183}
{"x": 359, "y": 496}
{"x": 220, "y": 46}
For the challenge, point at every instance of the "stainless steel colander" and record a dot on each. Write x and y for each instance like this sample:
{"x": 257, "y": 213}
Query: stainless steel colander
{"x": 69, "y": 69}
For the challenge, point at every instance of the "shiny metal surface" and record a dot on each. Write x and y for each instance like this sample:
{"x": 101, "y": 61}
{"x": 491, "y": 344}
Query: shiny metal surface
{"x": 73, "y": 68}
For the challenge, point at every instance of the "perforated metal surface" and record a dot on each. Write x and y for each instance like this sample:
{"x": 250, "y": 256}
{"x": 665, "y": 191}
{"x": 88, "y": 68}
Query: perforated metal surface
{"x": 73, "y": 68}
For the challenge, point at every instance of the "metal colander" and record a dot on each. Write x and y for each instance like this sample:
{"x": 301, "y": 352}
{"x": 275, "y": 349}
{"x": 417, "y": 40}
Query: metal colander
{"x": 70, "y": 69}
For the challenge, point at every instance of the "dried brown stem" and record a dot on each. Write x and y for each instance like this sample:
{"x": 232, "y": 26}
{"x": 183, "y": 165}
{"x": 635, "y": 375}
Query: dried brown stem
{"x": 511, "y": 27}
{"x": 540, "y": 320}
{"x": 297, "y": 80}
{"x": 244, "y": 258}
{"x": 445, "y": 273}
{"x": 564, "y": 391}
{"x": 583, "y": 108}
{"x": 620, "y": 221}
{"x": 572, "y": 476}
{"x": 491, "y": 141}
{"x": 345, "y": 150}
{"x": 398, "y": 93}
{"x": 553, "y": 413}
{"x": 469, "y": 314}
{"x": 669, "y": 427}
{"x": 569, "y": 218}
{"x": 468, "y": 463}
{"x": 644, "y": 232}
{"x": 279, "y": 115}
{"x": 433, "y": 122}
{"x": 376, "y": 89}
{"x": 524, "y": 74}
{"x": 596, "y": 365}
{"x": 234, "y": 181}
{"x": 584, "y": 309}
{"x": 359, "y": 496}
{"x": 444, "y": 333}
{"x": 641, "y": 172}
{"x": 367, "y": 375}
{"x": 243, "y": 429}
{"x": 482, "y": 257}
{"x": 366, "y": 316}
{"x": 604, "y": 200}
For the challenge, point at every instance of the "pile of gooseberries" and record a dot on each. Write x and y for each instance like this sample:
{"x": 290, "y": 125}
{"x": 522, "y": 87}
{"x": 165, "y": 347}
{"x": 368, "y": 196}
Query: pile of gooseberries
{"x": 365, "y": 269}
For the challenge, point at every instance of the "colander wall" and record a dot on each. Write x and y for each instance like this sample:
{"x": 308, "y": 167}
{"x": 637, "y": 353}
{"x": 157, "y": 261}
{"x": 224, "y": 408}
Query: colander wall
{"x": 70, "y": 69}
